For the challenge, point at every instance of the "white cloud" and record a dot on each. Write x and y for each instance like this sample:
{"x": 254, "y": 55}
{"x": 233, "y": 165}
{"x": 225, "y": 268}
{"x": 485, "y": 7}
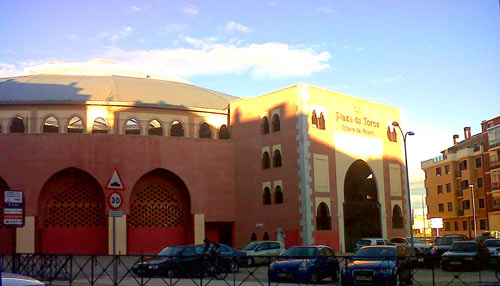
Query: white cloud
{"x": 190, "y": 10}
{"x": 114, "y": 36}
{"x": 8, "y": 70}
{"x": 326, "y": 10}
{"x": 207, "y": 57}
{"x": 233, "y": 26}
{"x": 135, "y": 8}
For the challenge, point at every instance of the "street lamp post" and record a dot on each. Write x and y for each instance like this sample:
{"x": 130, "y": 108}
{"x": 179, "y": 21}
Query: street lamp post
{"x": 396, "y": 124}
{"x": 473, "y": 210}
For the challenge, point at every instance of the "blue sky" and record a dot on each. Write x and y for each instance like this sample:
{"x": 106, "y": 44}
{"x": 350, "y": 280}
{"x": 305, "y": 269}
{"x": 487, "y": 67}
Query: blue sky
{"x": 438, "y": 61}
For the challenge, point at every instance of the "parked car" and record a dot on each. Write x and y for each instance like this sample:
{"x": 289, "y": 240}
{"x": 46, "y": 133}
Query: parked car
{"x": 378, "y": 265}
{"x": 11, "y": 279}
{"x": 371, "y": 241}
{"x": 465, "y": 255}
{"x": 482, "y": 238}
{"x": 306, "y": 264}
{"x": 184, "y": 261}
{"x": 493, "y": 245}
{"x": 263, "y": 252}
{"x": 419, "y": 247}
{"x": 445, "y": 242}
{"x": 237, "y": 258}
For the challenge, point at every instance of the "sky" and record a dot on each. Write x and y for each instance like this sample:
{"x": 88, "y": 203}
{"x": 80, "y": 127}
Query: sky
{"x": 438, "y": 61}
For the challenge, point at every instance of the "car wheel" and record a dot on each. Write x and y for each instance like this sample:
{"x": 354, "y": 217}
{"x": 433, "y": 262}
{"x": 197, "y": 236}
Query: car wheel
{"x": 233, "y": 266}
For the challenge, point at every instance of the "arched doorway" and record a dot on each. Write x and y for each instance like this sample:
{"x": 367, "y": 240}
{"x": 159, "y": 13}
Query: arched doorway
{"x": 361, "y": 206}
{"x": 72, "y": 215}
{"x": 159, "y": 213}
{"x": 7, "y": 233}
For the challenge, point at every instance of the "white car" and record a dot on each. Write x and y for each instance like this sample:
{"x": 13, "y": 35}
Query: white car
{"x": 11, "y": 279}
{"x": 420, "y": 248}
{"x": 258, "y": 250}
{"x": 371, "y": 241}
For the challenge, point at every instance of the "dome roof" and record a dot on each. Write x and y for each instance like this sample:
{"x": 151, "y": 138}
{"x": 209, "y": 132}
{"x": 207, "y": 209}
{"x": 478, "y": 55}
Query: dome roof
{"x": 52, "y": 88}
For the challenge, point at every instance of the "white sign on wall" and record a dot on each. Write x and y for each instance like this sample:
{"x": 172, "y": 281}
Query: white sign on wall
{"x": 437, "y": 222}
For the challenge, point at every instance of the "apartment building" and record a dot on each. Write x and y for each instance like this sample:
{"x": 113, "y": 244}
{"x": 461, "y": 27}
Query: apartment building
{"x": 491, "y": 137}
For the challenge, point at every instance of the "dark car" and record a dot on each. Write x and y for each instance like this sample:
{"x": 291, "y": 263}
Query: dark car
{"x": 378, "y": 265}
{"x": 445, "y": 242}
{"x": 306, "y": 264}
{"x": 236, "y": 258}
{"x": 465, "y": 255}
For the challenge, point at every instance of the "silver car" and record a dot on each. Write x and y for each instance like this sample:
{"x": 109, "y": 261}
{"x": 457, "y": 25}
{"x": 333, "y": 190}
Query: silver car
{"x": 258, "y": 250}
{"x": 11, "y": 279}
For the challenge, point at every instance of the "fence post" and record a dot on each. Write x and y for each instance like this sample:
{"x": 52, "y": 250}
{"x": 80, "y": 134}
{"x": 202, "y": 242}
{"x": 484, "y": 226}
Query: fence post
{"x": 71, "y": 269}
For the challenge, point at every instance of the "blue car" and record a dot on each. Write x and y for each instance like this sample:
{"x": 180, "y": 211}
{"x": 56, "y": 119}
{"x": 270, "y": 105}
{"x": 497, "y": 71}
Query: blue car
{"x": 378, "y": 265}
{"x": 305, "y": 264}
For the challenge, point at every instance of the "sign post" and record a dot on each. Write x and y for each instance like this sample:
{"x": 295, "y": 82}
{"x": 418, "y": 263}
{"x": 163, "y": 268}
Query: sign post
{"x": 13, "y": 208}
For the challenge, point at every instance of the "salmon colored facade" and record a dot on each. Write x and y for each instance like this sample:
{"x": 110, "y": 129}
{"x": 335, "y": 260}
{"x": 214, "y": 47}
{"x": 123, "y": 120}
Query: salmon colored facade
{"x": 326, "y": 165}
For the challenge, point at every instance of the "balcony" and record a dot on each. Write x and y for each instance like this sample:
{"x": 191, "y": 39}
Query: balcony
{"x": 460, "y": 193}
{"x": 460, "y": 212}
{"x": 494, "y": 163}
{"x": 495, "y": 186}
{"x": 458, "y": 174}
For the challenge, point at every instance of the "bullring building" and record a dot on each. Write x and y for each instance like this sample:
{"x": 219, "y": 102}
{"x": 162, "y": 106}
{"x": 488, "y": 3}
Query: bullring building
{"x": 317, "y": 166}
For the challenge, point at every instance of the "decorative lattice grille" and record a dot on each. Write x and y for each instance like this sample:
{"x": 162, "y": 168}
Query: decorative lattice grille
{"x": 155, "y": 205}
{"x": 75, "y": 205}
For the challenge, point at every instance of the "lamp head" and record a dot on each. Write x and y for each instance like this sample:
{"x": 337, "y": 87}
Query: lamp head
{"x": 411, "y": 133}
{"x": 395, "y": 123}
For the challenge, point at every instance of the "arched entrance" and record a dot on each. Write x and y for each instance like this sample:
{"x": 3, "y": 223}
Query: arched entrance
{"x": 159, "y": 213}
{"x": 72, "y": 215}
{"x": 361, "y": 206}
{"x": 7, "y": 233}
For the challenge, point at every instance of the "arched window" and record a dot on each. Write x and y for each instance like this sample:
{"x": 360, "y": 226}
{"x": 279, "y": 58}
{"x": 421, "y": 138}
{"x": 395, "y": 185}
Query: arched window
{"x": 264, "y": 125}
{"x": 323, "y": 219}
{"x": 276, "y": 123}
{"x": 265, "y": 236}
{"x": 75, "y": 125}
{"x": 277, "y": 159}
{"x": 224, "y": 132}
{"x": 267, "y": 196}
{"x": 253, "y": 237}
{"x": 17, "y": 125}
{"x": 321, "y": 121}
{"x": 100, "y": 126}
{"x": 266, "y": 161}
{"x": 132, "y": 127}
{"x": 155, "y": 128}
{"x": 397, "y": 217}
{"x": 314, "y": 119}
{"x": 205, "y": 131}
{"x": 278, "y": 195}
{"x": 177, "y": 130}
{"x": 50, "y": 125}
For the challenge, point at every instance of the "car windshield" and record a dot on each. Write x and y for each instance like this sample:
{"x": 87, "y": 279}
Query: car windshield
{"x": 376, "y": 252}
{"x": 466, "y": 247}
{"x": 250, "y": 246}
{"x": 492, "y": 243}
{"x": 363, "y": 242}
{"x": 447, "y": 240}
{"x": 301, "y": 251}
{"x": 172, "y": 250}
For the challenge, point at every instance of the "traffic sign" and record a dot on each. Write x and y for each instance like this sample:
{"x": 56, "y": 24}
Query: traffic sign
{"x": 115, "y": 213}
{"x": 13, "y": 208}
{"x": 115, "y": 201}
{"x": 115, "y": 182}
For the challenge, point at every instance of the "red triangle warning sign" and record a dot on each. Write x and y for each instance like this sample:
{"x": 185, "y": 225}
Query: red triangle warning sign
{"x": 115, "y": 182}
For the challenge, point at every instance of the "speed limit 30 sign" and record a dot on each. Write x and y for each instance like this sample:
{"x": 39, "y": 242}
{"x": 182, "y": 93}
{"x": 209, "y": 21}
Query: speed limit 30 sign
{"x": 115, "y": 201}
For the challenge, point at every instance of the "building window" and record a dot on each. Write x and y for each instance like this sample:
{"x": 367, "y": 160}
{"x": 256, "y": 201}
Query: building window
{"x": 75, "y": 125}
{"x": 464, "y": 185}
{"x": 155, "y": 128}
{"x": 438, "y": 171}
{"x": 482, "y": 224}
{"x": 479, "y": 182}
{"x": 253, "y": 237}
{"x": 323, "y": 219}
{"x": 450, "y": 206}
{"x": 177, "y": 130}
{"x": 447, "y": 226}
{"x": 224, "y": 132}
{"x": 266, "y": 161}
{"x": 205, "y": 131}
{"x": 265, "y": 236}
{"x": 397, "y": 217}
{"x": 132, "y": 127}
{"x": 440, "y": 189}
{"x": 448, "y": 188}
{"x": 277, "y": 159}
{"x": 478, "y": 162}
{"x": 100, "y": 126}
{"x": 481, "y": 203}
{"x": 447, "y": 169}
{"x": 466, "y": 204}
{"x": 17, "y": 125}
{"x": 278, "y": 195}
{"x": 464, "y": 225}
{"x": 314, "y": 119}
{"x": 264, "y": 126}
{"x": 441, "y": 208}
{"x": 496, "y": 201}
{"x": 463, "y": 165}
{"x": 276, "y": 123}
{"x": 455, "y": 224}
{"x": 267, "y": 196}
{"x": 50, "y": 125}
{"x": 321, "y": 121}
